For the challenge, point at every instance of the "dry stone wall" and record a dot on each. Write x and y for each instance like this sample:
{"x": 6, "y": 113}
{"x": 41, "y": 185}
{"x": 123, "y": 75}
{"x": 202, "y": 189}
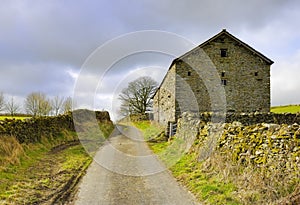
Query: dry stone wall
{"x": 250, "y": 118}
{"x": 32, "y": 130}
{"x": 274, "y": 147}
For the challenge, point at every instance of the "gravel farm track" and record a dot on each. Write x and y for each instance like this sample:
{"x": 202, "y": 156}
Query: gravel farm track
{"x": 125, "y": 171}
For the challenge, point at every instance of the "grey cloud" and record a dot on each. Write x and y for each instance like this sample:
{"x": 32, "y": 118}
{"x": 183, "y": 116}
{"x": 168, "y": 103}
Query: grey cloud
{"x": 40, "y": 41}
{"x": 54, "y": 30}
{"x": 204, "y": 16}
{"x": 22, "y": 79}
{"x": 68, "y": 32}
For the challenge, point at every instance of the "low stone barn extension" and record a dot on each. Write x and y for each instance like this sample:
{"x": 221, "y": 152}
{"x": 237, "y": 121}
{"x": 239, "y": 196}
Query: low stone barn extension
{"x": 222, "y": 65}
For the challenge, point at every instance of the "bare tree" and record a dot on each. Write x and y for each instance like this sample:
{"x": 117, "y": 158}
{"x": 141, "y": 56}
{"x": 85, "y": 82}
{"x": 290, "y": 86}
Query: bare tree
{"x": 32, "y": 102}
{"x": 124, "y": 109}
{"x": 136, "y": 98}
{"x": 12, "y": 107}
{"x": 45, "y": 107}
{"x": 37, "y": 104}
{"x": 67, "y": 106}
{"x": 2, "y": 102}
{"x": 57, "y": 104}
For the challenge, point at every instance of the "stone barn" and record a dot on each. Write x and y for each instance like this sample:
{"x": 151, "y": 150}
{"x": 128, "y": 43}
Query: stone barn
{"x": 221, "y": 74}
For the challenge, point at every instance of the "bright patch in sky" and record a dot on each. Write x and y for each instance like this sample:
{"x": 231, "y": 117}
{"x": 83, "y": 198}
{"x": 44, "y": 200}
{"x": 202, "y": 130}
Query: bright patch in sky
{"x": 43, "y": 44}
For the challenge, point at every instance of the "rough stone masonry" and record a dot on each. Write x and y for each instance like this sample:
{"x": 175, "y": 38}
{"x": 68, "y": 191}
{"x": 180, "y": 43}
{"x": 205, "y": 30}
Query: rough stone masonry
{"x": 221, "y": 74}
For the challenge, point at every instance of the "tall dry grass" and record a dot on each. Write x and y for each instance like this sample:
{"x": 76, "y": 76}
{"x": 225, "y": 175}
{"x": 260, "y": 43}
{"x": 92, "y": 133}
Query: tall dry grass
{"x": 254, "y": 184}
{"x": 10, "y": 151}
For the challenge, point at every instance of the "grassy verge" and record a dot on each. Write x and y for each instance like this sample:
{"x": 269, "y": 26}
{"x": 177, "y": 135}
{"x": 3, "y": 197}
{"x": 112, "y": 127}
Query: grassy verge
{"x": 249, "y": 165}
{"x": 207, "y": 187}
{"x": 286, "y": 109}
{"x": 150, "y": 129}
{"x": 45, "y": 172}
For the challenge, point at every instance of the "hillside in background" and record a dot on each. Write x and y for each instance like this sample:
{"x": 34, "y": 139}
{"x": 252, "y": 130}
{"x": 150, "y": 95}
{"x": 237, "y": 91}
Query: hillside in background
{"x": 286, "y": 109}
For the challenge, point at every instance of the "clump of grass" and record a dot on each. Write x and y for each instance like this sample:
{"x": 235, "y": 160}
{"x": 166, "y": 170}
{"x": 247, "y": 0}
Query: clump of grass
{"x": 75, "y": 156}
{"x": 10, "y": 151}
{"x": 254, "y": 184}
{"x": 106, "y": 128}
{"x": 150, "y": 129}
{"x": 158, "y": 147}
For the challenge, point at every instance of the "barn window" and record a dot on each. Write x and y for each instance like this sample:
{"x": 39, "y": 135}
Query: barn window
{"x": 223, "y": 82}
{"x": 223, "y": 74}
{"x": 189, "y": 73}
{"x": 223, "y": 52}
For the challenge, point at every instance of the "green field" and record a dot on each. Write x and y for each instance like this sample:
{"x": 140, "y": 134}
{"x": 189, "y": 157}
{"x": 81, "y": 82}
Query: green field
{"x": 286, "y": 109}
{"x": 3, "y": 117}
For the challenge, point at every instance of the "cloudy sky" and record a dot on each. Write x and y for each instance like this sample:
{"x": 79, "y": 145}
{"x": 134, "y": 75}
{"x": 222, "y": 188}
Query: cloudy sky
{"x": 45, "y": 45}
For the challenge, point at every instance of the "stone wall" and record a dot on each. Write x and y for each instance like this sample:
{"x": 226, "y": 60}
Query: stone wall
{"x": 164, "y": 99}
{"x": 32, "y": 130}
{"x": 272, "y": 147}
{"x": 250, "y": 118}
